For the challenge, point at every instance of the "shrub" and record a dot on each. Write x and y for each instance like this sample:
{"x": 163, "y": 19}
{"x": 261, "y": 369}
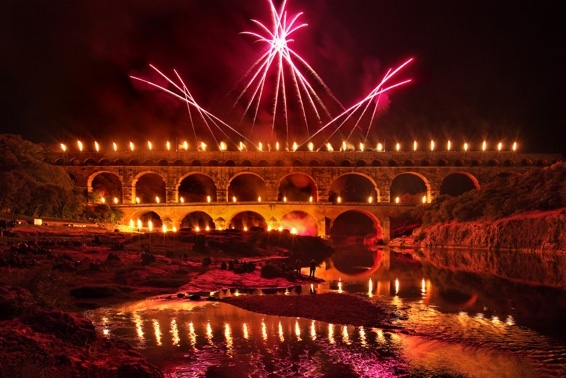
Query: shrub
{"x": 271, "y": 271}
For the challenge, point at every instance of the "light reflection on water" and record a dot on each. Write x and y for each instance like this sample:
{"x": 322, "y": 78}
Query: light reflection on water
{"x": 445, "y": 332}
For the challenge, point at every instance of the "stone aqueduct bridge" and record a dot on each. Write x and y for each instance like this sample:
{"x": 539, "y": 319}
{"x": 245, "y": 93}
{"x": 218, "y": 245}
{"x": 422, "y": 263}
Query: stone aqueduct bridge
{"x": 322, "y": 169}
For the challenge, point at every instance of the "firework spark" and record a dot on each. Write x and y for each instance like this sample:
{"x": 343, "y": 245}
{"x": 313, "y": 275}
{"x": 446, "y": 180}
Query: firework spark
{"x": 284, "y": 64}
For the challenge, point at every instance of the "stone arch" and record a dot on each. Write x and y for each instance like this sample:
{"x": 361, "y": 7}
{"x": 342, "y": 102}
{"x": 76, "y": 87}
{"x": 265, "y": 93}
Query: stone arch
{"x": 196, "y": 163}
{"x": 526, "y": 162}
{"x": 133, "y": 162}
{"x": 60, "y": 161}
{"x": 246, "y": 192}
{"x": 426, "y": 163}
{"x": 90, "y": 161}
{"x": 119, "y": 162}
{"x": 104, "y": 162}
{"x": 475, "y": 163}
{"x": 314, "y": 163}
{"x": 541, "y": 163}
{"x": 393, "y": 163}
{"x": 297, "y": 186}
{"x": 409, "y": 163}
{"x": 330, "y": 163}
{"x": 246, "y": 163}
{"x": 213, "y": 163}
{"x": 200, "y": 219}
{"x": 345, "y": 163}
{"x": 303, "y": 222}
{"x": 75, "y": 162}
{"x": 246, "y": 220}
{"x": 263, "y": 163}
{"x": 196, "y": 187}
{"x": 357, "y": 224}
{"x": 178, "y": 163}
{"x": 492, "y": 163}
{"x": 442, "y": 163}
{"x": 408, "y": 189}
{"x": 149, "y": 163}
{"x": 353, "y": 187}
{"x": 279, "y": 163}
{"x": 162, "y": 163}
{"x": 361, "y": 163}
{"x": 148, "y": 186}
{"x": 377, "y": 163}
{"x": 508, "y": 163}
{"x": 459, "y": 163}
{"x": 146, "y": 217}
{"x": 298, "y": 163}
{"x": 457, "y": 183}
{"x": 230, "y": 163}
{"x": 108, "y": 188}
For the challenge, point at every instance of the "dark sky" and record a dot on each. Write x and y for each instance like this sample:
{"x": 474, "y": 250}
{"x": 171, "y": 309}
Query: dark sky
{"x": 483, "y": 69}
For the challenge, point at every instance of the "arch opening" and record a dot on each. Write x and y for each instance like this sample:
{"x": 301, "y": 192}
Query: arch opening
{"x": 300, "y": 222}
{"x": 107, "y": 187}
{"x": 246, "y": 187}
{"x": 456, "y": 184}
{"x": 247, "y": 220}
{"x": 150, "y": 188}
{"x": 198, "y": 219}
{"x": 408, "y": 188}
{"x": 197, "y": 187}
{"x": 297, "y": 187}
{"x": 154, "y": 218}
{"x": 352, "y": 187}
{"x": 353, "y": 225}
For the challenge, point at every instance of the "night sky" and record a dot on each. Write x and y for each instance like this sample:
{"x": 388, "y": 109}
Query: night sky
{"x": 483, "y": 69}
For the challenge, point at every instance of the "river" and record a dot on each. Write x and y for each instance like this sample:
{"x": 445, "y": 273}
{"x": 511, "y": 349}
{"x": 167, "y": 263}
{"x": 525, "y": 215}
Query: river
{"x": 453, "y": 324}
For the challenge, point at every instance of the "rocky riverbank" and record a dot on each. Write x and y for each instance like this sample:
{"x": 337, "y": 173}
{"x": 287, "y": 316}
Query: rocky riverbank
{"x": 536, "y": 231}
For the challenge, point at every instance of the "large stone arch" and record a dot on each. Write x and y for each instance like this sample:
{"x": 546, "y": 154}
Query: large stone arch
{"x": 257, "y": 188}
{"x": 245, "y": 220}
{"x": 200, "y": 196}
{"x": 139, "y": 220}
{"x": 349, "y": 228}
{"x": 297, "y": 189}
{"x": 412, "y": 194}
{"x": 303, "y": 222}
{"x": 464, "y": 180}
{"x": 146, "y": 194}
{"x": 194, "y": 219}
{"x": 109, "y": 190}
{"x": 348, "y": 191}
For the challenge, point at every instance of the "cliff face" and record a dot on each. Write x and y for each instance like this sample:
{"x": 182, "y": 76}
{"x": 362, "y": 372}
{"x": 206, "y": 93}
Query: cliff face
{"x": 540, "y": 231}
{"x": 528, "y": 248}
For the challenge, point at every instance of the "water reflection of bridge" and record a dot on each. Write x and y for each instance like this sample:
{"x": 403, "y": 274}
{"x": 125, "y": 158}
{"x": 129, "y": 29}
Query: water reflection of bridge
{"x": 277, "y": 188}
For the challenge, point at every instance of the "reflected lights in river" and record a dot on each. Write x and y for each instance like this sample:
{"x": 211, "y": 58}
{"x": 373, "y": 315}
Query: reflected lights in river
{"x": 313, "y": 331}
{"x": 331, "y": 334}
{"x": 192, "y": 335}
{"x": 245, "y": 331}
{"x": 105, "y": 329}
{"x": 370, "y": 288}
{"x": 345, "y": 335}
{"x": 229, "y": 340}
{"x": 138, "y": 322}
{"x": 175, "y": 333}
{"x": 157, "y": 331}
{"x": 297, "y": 331}
{"x": 362, "y": 333}
{"x": 423, "y": 287}
{"x": 280, "y": 332}
{"x": 209, "y": 333}
{"x": 263, "y": 330}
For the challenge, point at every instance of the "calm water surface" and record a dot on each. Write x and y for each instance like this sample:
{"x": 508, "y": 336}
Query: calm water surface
{"x": 453, "y": 325}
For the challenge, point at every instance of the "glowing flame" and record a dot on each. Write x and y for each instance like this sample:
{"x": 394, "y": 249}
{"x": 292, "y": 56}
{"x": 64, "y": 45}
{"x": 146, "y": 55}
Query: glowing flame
{"x": 115, "y": 146}
{"x": 139, "y": 224}
{"x": 362, "y": 147}
{"x": 168, "y": 146}
{"x": 149, "y": 145}
{"x": 131, "y": 223}
{"x": 339, "y": 199}
{"x": 310, "y": 199}
{"x": 293, "y": 231}
{"x": 424, "y": 199}
{"x": 185, "y": 145}
{"x": 397, "y": 199}
{"x": 449, "y": 145}
{"x": 182, "y": 200}
{"x": 197, "y": 229}
{"x": 138, "y": 200}
{"x": 164, "y": 228}
{"x": 80, "y": 144}
{"x": 415, "y": 146}
{"x": 260, "y": 147}
{"x": 311, "y": 146}
{"x": 202, "y": 146}
{"x": 432, "y": 145}
{"x": 63, "y": 147}
{"x": 465, "y": 147}
{"x": 157, "y": 200}
{"x": 258, "y": 198}
{"x": 344, "y": 146}
{"x": 234, "y": 199}
{"x": 514, "y": 146}
{"x": 223, "y": 146}
{"x": 242, "y": 146}
{"x": 150, "y": 226}
{"x": 329, "y": 147}
{"x": 499, "y": 146}
{"x": 396, "y": 286}
{"x": 284, "y": 199}
{"x": 116, "y": 200}
{"x": 131, "y": 146}
{"x": 484, "y": 145}
{"x": 103, "y": 200}
{"x": 370, "y": 199}
{"x": 295, "y": 146}
{"x": 398, "y": 147}
{"x": 96, "y": 146}
{"x": 208, "y": 199}
{"x": 379, "y": 147}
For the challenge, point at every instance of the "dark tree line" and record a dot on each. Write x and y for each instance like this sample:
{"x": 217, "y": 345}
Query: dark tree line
{"x": 29, "y": 186}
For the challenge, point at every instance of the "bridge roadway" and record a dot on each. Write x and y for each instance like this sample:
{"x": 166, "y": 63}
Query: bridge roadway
{"x": 322, "y": 169}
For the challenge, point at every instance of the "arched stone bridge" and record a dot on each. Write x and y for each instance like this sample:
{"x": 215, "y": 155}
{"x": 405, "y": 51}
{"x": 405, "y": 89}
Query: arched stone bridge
{"x": 321, "y": 185}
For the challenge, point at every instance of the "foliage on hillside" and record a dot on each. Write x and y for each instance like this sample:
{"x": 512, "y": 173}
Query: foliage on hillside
{"x": 508, "y": 194}
{"x": 31, "y": 187}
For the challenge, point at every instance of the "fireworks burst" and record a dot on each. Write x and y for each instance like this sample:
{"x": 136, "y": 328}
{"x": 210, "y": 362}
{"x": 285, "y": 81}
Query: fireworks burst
{"x": 280, "y": 61}
{"x": 291, "y": 90}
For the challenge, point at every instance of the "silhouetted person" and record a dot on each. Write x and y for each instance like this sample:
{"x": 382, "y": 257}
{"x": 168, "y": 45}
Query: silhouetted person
{"x": 312, "y": 269}
{"x": 298, "y": 265}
